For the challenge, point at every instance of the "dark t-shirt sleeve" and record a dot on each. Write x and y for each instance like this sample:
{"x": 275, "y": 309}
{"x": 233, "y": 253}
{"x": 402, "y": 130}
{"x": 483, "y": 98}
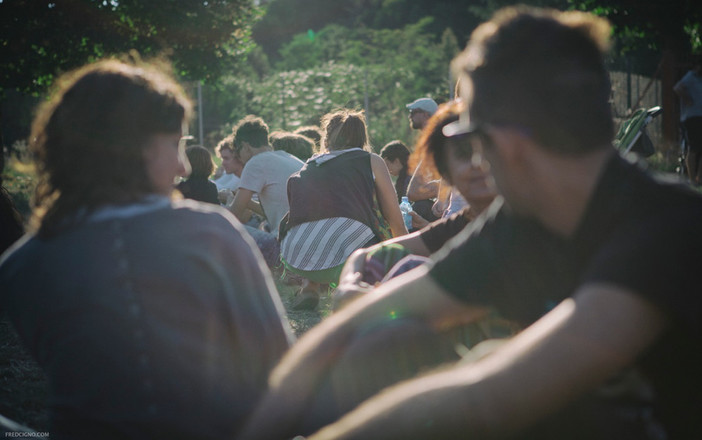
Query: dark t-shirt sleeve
{"x": 506, "y": 262}
{"x": 657, "y": 258}
{"x": 436, "y": 234}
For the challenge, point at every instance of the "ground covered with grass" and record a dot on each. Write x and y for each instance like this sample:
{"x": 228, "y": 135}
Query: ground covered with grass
{"x": 23, "y": 386}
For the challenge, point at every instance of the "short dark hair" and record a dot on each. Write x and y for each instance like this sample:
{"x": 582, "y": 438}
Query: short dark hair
{"x": 544, "y": 71}
{"x": 200, "y": 161}
{"x": 88, "y": 139}
{"x": 311, "y": 131}
{"x": 395, "y": 149}
{"x": 298, "y": 145}
{"x": 252, "y": 130}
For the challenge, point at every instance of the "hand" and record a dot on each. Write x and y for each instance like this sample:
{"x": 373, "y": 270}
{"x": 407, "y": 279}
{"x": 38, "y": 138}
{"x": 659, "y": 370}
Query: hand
{"x": 438, "y": 208}
{"x": 418, "y": 222}
{"x": 350, "y": 288}
{"x": 351, "y": 284}
{"x": 226, "y": 196}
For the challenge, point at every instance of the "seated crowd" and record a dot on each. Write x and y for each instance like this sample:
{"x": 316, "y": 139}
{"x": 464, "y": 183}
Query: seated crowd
{"x": 543, "y": 295}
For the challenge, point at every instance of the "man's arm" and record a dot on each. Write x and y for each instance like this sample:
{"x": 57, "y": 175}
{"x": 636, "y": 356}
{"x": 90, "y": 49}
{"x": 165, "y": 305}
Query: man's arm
{"x": 294, "y": 380}
{"x": 256, "y": 207}
{"x": 240, "y": 204}
{"x": 575, "y": 347}
{"x": 420, "y": 188}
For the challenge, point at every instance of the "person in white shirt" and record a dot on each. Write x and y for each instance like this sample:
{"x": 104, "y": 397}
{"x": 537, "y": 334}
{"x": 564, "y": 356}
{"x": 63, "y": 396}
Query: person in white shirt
{"x": 265, "y": 174}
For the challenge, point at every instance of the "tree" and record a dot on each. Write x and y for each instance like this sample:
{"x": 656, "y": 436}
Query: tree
{"x": 40, "y": 38}
{"x": 670, "y": 29}
{"x": 286, "y": 18}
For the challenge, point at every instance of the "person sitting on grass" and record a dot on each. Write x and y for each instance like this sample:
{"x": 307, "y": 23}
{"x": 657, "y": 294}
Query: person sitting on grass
{"x": 228, "y": 174}
{"x": 333, "y": 208}
{"x": 298, "y": 145}
{"x": 262, "y": 188}
{"x": 471, "y": 179}
{"x": 312, "y": 132}
{"x": 396, "y": 156}
{"x": 198, "y": 186}
{"x": 151, "y": 317}
{"x": 582, "y": 246}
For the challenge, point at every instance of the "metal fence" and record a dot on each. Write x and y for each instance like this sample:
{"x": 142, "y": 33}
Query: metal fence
{"x": 630, "y": 92}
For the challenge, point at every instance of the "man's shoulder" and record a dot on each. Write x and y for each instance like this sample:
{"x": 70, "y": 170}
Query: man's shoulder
{"x": 630, "y": 184}
{"x": 287, "y": 157}
{"x": 272, "y": 160}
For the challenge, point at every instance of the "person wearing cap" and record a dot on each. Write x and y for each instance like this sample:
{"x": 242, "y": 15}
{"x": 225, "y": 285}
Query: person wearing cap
{"x": 420, "y": 111}
{"x": 583, "y": 246}
{"x": 421, "y": 190}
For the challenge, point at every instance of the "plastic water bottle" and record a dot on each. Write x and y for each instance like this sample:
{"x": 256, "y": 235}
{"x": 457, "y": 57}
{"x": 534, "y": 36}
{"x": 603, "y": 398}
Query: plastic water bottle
{"x": 406, "y": 208}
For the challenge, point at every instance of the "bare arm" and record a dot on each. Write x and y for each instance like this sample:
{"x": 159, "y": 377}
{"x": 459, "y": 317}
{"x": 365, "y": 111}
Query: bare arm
{"x": 241, "y": 203}
{"x": 420, "y": 188}
{"x": 387, "y": 197}
{"x": 256, "y": 207}
{"x": 351, "y": 285}
{"x": 412, "y": 242}
{"x": 293, "y": 381}
{"x": 572, "y": 349}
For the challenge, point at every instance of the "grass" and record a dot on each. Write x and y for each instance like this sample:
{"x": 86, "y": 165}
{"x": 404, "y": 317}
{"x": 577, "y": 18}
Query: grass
{"x": 303, "y": 320}
{"x": 24, "y": 388}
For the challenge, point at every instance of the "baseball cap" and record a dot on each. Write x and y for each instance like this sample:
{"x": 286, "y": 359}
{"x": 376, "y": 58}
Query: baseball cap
{"x": 426, "y": 104}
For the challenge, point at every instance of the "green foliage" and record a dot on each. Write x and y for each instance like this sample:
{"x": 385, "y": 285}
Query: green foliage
{"x": 286, "y": 18}
{"x": 654, "y": 25}
{"x": 39, "y": 39}
{"x": 323, "y": 54}
{"x": 342, "y": 67}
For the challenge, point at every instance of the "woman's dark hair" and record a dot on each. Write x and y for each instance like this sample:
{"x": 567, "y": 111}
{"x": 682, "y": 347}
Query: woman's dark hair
{"x": 397, "y": 150}
{"x": 430, "y": 151}
{"x": 344, "y": 129}
{"x": 200, "y": 161}
{"x": 89, "y": 138}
